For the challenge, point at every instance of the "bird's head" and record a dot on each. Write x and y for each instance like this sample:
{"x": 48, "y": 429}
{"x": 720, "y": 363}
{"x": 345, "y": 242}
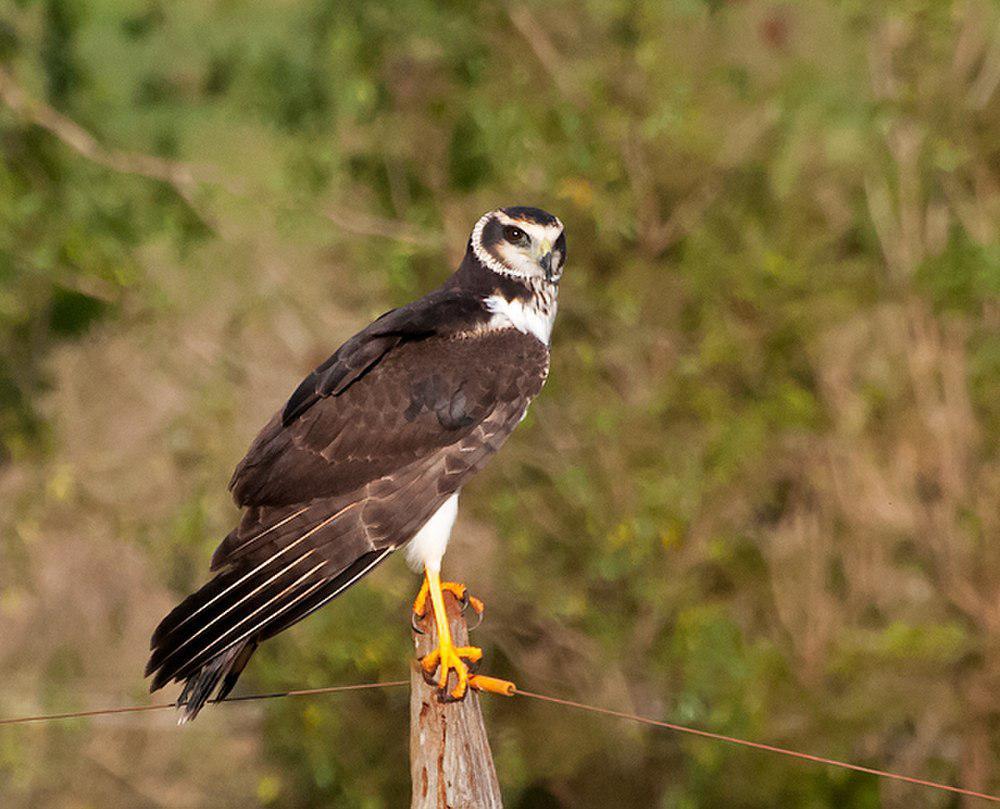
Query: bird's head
{"x": 520, "y": 242}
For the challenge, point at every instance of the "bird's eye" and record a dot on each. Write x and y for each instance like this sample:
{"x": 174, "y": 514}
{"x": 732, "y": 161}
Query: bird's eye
{"x": 513, "y": 235}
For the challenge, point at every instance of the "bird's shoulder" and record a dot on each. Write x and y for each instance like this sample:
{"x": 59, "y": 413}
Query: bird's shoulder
{"x": 441, "y": 312}
{"x": 417, "y": 379}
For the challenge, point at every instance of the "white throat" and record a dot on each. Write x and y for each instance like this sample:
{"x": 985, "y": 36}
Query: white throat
{"x": 533, "y": 316}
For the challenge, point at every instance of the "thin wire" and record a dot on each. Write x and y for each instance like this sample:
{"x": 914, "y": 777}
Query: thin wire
{"x": 643, "y": 720}
{"x": 302, "y": 692}
{"x": 758, "y": 746}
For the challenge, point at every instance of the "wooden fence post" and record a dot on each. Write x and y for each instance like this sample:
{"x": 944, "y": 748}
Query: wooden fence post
{"x": 451, "y": 765}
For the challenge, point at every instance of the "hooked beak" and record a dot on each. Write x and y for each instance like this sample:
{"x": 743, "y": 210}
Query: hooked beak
{"x": 545, "y": 259}
{"x": 546, "y": 262}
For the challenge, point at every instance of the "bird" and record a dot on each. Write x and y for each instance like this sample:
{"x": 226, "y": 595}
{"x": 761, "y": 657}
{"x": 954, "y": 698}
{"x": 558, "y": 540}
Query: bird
{"x": 369, "y": 455}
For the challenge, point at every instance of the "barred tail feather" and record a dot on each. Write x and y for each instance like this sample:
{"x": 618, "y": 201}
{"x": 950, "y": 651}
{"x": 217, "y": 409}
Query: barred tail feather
{"x": 199, "y": 687}
{"x": 207, "y": 640}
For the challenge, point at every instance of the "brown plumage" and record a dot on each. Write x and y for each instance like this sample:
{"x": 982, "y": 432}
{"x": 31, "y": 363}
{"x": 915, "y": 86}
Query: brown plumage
{"x": 367, "y": 448}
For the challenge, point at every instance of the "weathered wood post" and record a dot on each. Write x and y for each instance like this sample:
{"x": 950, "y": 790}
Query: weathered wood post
{"x": 451, "y": 765}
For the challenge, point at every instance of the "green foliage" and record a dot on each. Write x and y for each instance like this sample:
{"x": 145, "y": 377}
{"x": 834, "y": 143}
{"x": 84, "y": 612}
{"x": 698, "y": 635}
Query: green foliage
{"x": 759, "y": 492}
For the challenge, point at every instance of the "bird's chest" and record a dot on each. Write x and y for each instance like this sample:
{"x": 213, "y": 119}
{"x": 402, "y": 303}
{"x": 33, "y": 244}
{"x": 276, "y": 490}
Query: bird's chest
{"x": 534, "y": 316}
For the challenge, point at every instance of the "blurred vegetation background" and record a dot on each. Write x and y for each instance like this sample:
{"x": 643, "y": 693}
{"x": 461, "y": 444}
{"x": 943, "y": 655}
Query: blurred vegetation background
{"x": 760, "y": 493}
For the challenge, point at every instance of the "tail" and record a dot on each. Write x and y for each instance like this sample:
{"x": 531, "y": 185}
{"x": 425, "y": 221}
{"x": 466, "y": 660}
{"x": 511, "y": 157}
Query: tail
{"x": 207, "y": 640}
{"x": 199, "y": 686}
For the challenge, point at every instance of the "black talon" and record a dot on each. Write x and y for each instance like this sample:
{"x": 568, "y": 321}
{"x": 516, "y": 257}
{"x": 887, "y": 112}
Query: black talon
{"x": 446, "y": 697}
{"x": 414, "y": 618}
{"x": 479, "y": 620}
{"x": 429, "y": 677}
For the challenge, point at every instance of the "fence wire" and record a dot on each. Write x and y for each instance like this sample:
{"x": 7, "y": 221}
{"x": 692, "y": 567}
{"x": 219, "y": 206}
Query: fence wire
{"x": 566, "y": 703}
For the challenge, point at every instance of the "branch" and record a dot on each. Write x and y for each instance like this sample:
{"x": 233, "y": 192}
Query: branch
{"x": 656, "y": 233}
{"x": 183, "y": 178}
{"x": 450, "y": 761}
{"x": 366, "y": 225}
{"x": 548, "y": 56}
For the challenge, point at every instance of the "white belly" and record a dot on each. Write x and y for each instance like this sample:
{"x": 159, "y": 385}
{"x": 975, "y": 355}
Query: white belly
{"x": 428, "y": 545}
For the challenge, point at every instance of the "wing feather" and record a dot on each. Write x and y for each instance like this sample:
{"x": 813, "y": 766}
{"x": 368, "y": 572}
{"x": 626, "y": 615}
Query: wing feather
{"x": 421, "y": 397}
{"x": 365, "y": 451}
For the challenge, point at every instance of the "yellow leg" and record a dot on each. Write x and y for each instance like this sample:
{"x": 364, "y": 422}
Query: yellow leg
{"x": 447, "y": 658}
{"x": 460, "y": 591}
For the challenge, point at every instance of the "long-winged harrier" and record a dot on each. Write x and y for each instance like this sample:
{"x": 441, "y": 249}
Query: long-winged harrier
{"x": 369, "y": 455}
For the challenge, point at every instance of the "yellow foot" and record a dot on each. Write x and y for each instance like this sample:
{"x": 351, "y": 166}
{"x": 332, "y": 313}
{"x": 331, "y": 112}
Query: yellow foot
{"x": 446, "y": 659}
{"x": 460, "y": 591}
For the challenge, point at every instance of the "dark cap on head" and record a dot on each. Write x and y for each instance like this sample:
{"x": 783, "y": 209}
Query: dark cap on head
{"x": 529, "y": 214}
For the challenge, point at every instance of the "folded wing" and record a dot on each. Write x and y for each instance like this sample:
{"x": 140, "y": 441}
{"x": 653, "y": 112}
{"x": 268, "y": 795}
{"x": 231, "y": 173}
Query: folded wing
{"x": 367, "y": 449}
